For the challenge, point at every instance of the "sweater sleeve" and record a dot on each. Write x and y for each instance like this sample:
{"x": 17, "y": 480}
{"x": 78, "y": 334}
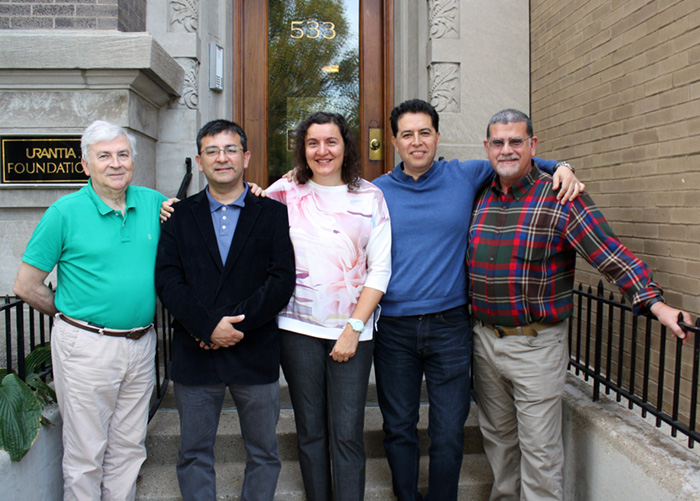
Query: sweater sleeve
{"x": 379, "y": 247}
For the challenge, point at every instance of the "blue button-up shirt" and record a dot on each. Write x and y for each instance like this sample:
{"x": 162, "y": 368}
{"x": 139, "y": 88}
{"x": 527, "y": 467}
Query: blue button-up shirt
{"x": 225, "y": 220}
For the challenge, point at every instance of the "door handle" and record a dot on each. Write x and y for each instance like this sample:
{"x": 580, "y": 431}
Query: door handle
{"x": 376, "y": 148}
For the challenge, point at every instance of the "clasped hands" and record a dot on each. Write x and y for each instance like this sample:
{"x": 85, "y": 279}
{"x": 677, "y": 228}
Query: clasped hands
{"x": 224, "y": 334}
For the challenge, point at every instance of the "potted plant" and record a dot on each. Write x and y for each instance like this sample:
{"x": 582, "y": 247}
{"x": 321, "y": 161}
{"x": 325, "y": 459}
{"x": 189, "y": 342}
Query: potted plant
{"x": 22, "y": 403}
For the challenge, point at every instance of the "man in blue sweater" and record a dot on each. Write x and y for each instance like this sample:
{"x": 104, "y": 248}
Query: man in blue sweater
{"x": 424, "y": 328}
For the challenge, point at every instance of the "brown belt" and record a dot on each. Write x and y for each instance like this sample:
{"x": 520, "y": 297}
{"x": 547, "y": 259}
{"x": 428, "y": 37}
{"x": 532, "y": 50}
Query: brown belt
{"x": 129, "y": 334}
{"x": 522, "y": 330}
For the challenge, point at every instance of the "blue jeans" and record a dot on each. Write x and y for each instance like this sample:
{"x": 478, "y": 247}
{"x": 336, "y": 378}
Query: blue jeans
{"x": 439, "y": 346}
{"x": 258, "y": 409}
{"x": 329, "y": 400}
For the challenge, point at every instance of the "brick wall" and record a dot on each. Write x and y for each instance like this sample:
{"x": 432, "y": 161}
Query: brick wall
{"x": 615, "y": 89}
{"x": 125, "y": 15}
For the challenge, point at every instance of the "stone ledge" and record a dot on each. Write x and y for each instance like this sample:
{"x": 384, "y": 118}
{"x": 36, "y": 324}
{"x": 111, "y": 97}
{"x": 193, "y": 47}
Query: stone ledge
{"x": 613, "y": 454}
{"x": 38, "y": 475}
{"x": 90, "y": 50}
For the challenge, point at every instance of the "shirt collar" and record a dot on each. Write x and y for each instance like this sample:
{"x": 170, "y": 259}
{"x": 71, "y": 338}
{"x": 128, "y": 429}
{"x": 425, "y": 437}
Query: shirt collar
{"x": 521, "y": 187}
{"x": 215, "y": 205}
{"x": 102, "y": 207}
{"x": 402, "y": 176}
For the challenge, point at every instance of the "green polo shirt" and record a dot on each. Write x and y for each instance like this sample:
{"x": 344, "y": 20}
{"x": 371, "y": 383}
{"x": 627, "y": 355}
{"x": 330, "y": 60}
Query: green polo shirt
{"x": 105, "y": 261}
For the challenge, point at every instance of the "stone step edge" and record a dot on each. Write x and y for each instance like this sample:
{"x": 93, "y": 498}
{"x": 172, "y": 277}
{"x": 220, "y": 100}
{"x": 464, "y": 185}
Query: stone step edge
{"x": 159, "y": 482}
{"x": 163, "y": 437}
{"x": 166, "y": 422}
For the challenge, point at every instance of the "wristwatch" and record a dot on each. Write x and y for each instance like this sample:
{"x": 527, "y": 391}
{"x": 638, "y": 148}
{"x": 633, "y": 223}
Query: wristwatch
{"x": 565, "y": 164}
{"x": 357, "y": 325}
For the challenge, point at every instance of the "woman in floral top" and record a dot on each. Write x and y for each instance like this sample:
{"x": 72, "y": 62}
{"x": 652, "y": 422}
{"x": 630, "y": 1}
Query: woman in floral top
{"x": 339, "y": 225}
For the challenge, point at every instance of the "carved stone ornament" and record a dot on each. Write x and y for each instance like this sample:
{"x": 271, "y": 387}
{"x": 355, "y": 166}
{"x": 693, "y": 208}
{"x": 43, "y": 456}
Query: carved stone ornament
{"x": 444, "y": 18}
{"x": 184, "y": 15}
{"x": 444, "y": 86}
{"x": 190, "y": 93}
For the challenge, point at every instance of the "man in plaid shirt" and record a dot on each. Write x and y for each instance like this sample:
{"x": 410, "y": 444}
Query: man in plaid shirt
{"x": 521, "y": 257}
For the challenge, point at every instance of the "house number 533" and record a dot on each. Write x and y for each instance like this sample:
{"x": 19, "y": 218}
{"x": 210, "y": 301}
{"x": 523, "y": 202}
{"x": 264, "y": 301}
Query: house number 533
{"x": 312, "y": 29}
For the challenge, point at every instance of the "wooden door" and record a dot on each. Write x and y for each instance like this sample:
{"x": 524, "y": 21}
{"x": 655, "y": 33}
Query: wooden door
{"x": 251, "y": 73}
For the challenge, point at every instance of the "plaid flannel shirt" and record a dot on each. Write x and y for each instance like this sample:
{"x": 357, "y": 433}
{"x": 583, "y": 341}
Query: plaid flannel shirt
{"x": 522, "y": 251}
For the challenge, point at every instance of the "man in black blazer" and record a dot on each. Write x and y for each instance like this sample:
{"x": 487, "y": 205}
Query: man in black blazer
{"x": 225, "y": 267}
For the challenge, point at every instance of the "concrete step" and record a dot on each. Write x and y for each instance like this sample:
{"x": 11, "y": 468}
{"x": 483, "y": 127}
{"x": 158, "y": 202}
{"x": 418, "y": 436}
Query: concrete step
{"x": 159, "y": 482}
{"x": 164, "y": 435}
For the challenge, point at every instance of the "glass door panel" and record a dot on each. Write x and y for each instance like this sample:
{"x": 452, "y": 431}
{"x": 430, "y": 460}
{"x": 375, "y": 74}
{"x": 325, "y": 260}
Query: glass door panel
{"x": 313, "y": 65}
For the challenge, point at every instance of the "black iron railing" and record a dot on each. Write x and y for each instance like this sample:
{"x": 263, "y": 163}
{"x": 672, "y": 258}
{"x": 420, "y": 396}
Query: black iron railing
{"x": 164, "y": 332}
{"x": 25, "y": 328}
{"x": 630, "y": 356}
{"x": 22, "y": 337}
{"x": 622, "y": 353}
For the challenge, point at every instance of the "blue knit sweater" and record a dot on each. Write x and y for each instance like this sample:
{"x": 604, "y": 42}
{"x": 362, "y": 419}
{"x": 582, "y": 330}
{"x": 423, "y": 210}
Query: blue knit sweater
{"x": 429, "y": 226}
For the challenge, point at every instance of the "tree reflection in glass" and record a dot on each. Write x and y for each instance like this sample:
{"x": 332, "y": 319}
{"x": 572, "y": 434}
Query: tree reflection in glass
{"x": 313, "y": 65}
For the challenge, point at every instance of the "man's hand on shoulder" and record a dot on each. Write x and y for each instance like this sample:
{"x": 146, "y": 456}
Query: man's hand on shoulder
{"x": 166, "y": 209}
{"x": 257, "y": 190}
{"x": 224, "y": 334}
{"x": 567, "y": 183}
{"x": 668, "y": 316}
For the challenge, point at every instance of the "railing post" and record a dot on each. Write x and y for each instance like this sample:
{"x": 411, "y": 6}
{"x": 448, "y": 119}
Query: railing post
{"x": 579, "y": 316}
{"x": 694, "y": 387}
{"x": 598, "y": 340}
{"x": 662, "y": 374}
{"x": 647, "y": 363}
{"x": 609, "y": 353}
{"x": 8, "y": 335}
{"x": 589, "y": 308}
{"x": 19, "y": 316}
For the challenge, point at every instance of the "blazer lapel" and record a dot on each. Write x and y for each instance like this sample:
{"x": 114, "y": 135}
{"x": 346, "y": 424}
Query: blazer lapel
{"x": 202, "y": 217}
{"x": 246, "y": 222}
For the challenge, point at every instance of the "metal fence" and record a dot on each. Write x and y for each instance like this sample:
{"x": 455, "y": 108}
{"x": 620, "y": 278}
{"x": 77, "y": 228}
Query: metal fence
{"x": 625, "y": 354}
{"x": 26, "y": 328}
{"x": 636, "y": 359}
{"x": 22, "y": 334}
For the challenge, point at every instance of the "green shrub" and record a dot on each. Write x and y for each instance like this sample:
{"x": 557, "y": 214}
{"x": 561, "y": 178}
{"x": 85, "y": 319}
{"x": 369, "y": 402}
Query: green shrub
{"x": 22, "y": 403}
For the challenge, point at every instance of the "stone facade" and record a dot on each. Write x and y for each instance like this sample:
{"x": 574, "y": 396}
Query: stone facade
{"x": 132, "y": 15}
{"x": 446, "y": 53}
{"x": 185, "y": 28}
{"x": 60, "y": 81}
{"x": 616, "y": 91}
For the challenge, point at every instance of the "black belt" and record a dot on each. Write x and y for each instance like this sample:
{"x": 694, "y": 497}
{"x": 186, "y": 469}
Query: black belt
{"x": 129, "y": 334}
{"x": 524, "y": 330}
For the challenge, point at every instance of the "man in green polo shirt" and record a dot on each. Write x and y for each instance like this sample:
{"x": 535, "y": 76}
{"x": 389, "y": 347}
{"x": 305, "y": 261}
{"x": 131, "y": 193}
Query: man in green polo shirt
{"x": 103, "y": 241}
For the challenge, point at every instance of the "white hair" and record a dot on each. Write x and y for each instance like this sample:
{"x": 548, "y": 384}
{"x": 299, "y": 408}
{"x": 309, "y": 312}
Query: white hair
{"x": 99, "y": 131}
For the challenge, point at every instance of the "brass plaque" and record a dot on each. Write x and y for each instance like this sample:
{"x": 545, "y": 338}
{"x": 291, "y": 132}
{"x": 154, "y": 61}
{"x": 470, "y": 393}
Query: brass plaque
{"x": 41, "y": 160}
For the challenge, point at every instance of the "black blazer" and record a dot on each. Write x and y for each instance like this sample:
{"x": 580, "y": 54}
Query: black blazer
{"x": 198, "y": 289}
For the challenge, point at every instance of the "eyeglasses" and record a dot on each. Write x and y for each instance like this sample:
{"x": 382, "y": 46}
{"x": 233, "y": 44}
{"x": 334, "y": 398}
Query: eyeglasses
{"x": 229, "y": 151}
{"x": 514, "y": 142}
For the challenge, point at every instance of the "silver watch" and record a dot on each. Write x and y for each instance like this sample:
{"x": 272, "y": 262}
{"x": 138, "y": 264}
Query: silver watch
{"x": 565, "y": 164}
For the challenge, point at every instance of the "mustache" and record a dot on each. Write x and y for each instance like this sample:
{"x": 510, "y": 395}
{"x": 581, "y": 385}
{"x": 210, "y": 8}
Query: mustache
{"x": 506, "y": 158}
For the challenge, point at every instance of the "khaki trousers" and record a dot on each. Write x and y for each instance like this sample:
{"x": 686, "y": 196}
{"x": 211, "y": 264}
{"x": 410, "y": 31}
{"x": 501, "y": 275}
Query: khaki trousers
{"x": 519, "y": 381}
{"x": 104, "y": 386}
